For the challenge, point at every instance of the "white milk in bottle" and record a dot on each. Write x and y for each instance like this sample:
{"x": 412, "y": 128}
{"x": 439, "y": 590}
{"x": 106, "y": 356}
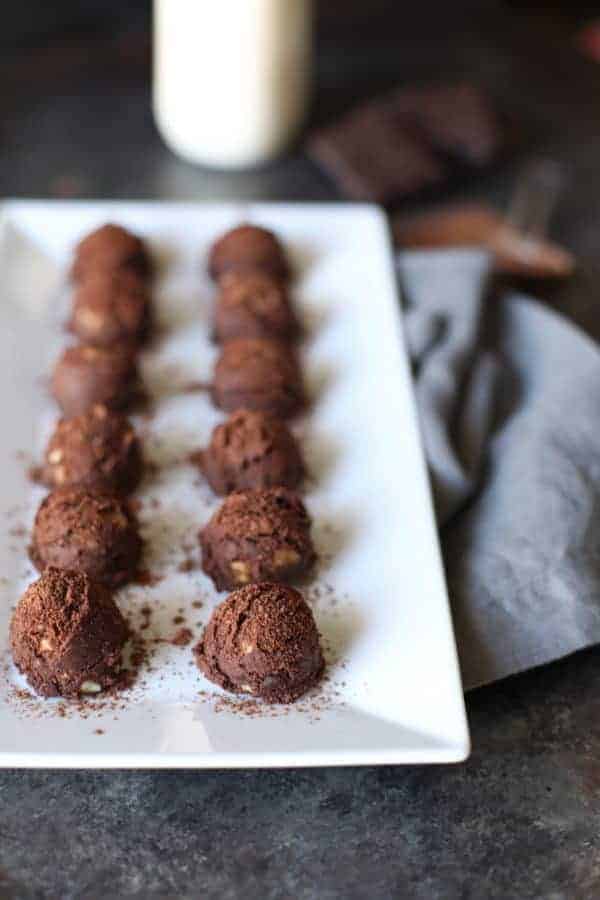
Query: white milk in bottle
{"x": 231, "y": 77}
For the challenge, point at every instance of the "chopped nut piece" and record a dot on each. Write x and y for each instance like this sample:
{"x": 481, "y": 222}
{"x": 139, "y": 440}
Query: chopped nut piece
{"x": 285, "y": 557}
{"x": 88, "y": 319}
{"x": 60, "y": 475}
{"x": 240, "y": 571}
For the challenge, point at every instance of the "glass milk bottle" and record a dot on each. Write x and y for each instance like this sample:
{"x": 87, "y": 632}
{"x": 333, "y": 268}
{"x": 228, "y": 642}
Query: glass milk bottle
{"x": 231, "y": 77}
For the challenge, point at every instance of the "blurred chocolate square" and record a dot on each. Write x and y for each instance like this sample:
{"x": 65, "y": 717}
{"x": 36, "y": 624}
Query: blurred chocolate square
{"x": 410, "y": 140}
{"x": 371, "y": 158}
{"x": 457, "y": 120}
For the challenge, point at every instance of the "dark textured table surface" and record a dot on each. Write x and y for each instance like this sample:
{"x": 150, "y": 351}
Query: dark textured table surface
{"x": 522, "y": 818}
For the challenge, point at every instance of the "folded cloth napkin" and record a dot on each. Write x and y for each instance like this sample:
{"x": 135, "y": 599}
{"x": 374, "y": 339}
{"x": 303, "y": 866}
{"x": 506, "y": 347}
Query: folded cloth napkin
{"x": 512, "y": 435}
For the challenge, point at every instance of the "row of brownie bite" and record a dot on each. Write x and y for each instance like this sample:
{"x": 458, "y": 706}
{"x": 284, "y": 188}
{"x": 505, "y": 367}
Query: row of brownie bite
{"x": 261, "y": 531}
{"x": 67, "y": 633}
{"x": 85, "y": 533}
{"x": 262, "y": 639}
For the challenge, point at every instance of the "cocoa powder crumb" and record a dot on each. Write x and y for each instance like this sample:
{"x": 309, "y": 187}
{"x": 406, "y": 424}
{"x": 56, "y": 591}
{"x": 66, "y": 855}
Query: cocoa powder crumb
{"x": 194, "y": 387}
{"x": 182, "y": 638}
{"x": 35, "y": 474}
{"x": 145, "y": 578}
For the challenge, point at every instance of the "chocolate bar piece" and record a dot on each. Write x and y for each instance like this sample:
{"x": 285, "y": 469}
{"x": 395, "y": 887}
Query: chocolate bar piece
{"x": 457, "y": 120}
{"x": 371, "y": 158}
{"x": 410, "y": 140}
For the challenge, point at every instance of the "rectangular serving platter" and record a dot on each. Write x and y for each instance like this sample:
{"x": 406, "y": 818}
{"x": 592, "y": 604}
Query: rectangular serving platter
{"x": 393, "y": 692}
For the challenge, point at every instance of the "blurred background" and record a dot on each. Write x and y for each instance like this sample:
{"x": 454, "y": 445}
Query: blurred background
{"x": 35, "y": 21}
{"x": 77, "y": 76}
{"x": 76, "y": 120}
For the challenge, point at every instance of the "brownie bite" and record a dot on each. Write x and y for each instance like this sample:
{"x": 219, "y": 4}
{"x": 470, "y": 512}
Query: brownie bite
{"x": 67, "y": 635}
{"x": 248, "y": 248}
{"x": 262, "y": 640}
{"x": 252, "y": 304}
{"x": 98, "y": 449}
{"x": 111, "y": 307}
{"x": 261, "y": 535}
{"x": 110, "y": 248}
{"x": 87, "y": 531}
{"x": 258, "y": 373}
{"x": 85, "y": 375}
{"x": 252, "y": 449}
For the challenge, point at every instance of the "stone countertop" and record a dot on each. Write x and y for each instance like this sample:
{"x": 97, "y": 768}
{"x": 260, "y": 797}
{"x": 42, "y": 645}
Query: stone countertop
{"x": 521, "y": 819}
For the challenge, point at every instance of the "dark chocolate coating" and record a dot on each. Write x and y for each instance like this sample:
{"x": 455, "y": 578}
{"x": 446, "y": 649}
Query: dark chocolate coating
{"x": 258, "y": 373}
{"x": 67, "y": 635}
{"x": 87, "y": 531}
{"x": 110, "y": 248}
{"x": 86, "y": 375}
{"x": 248, "y": 248}
{"x": 261, "y": 535}
{"x": 111, "y": 307}
{"x": 262, "y": 640}
{"x": 98, "y": 449}
{"x": 253, "y": 304}
{"x": 252, "y": 449}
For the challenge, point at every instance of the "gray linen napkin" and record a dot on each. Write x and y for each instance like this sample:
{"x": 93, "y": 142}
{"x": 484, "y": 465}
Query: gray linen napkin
{"x": 513, "y": 444}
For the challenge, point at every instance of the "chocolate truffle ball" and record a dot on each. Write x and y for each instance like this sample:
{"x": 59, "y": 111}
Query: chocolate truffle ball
{"x": 98, "y": 449}
{"x": 248, "y": 248}
{"x": 259, "y": 535}
{"x": 251, "y": 449}
{"x": 257, "y": 373}
{"x": 253, "y": 304}
{"x": 85, "y": 375}
{"x": 109, "y": 308}
{"x": 262, "y": 640}
{"x": 108, "y": 249}
{"x": 87, "y": 531}
{"x": 67, "y": 635}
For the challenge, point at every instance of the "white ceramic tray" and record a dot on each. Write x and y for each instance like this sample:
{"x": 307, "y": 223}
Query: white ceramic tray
{"x": 393, "y": 693}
